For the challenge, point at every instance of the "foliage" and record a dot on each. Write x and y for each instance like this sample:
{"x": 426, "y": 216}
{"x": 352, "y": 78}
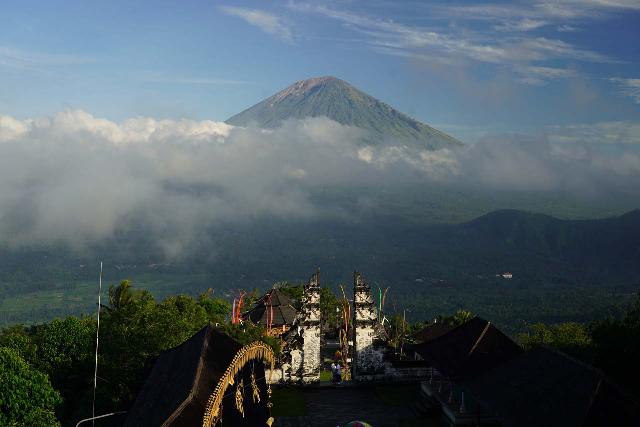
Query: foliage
{"x": 563, "y": 270}
{"x": 63, "y": 345}
{"x": 17, "y": 338}
{"x": 247, "y": 332}
{"x": 136, "y": 329}
{"x": 329, "y": 307}
{"x": 458, "y": 318}
{"x": 616, "y": 346}
{"x": 612, "y": 344}
{"x": 65, "y": 352}
{"x": 293, "y": 291}
{"x": 40, "y": 417}
{"x": 569, "y": 337}
{"x": 26, "y": 396}
{"x": 217, "y": 309}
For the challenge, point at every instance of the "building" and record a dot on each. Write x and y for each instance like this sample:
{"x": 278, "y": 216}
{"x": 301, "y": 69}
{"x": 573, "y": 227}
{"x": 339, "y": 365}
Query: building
{"x": 468, "y": 350}
{"x": 456, "y": 356}
{"x": 275, "y": 311}
{"x": 480, "y": 377}
{"x": 300, "y": 361}
{"x": 431, "y": 332}
{"x": 369, "y": 340}
{"x": 208, "y": 380}
{"x": 545, "y": 387}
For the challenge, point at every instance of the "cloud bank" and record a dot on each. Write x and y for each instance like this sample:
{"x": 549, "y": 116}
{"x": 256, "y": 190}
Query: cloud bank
{"x": 73, "y": 178}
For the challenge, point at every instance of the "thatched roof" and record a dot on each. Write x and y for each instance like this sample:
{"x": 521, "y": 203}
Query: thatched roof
{"x": 176, "y": 391}
{"x": 274, "y": 306}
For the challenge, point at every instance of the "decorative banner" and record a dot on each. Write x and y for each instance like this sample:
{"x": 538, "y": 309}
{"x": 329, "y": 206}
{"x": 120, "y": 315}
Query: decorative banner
{"x": 240, "y": 397}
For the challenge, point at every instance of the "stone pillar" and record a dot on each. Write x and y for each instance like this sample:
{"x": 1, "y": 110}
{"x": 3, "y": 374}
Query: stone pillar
{"x": 367, "y": 360}
{"x": 310, "y": 330}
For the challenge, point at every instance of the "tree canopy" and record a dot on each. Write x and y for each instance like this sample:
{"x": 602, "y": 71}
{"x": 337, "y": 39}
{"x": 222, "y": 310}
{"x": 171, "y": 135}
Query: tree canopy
{"x": 26, "y": 396}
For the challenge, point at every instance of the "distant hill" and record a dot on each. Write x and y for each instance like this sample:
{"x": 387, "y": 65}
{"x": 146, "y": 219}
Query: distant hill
{"x": 587, "y": 251}
{"x": 431, "y": 268}
{"x": 343, "y": 103}
{"x": 534, "y": 247}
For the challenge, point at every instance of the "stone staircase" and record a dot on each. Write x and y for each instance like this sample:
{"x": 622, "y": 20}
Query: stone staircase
{"x": 426, "y": 406}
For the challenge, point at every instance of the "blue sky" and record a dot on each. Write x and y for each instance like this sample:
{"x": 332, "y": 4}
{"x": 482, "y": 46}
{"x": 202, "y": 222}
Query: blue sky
{"x": 470, "y": 68}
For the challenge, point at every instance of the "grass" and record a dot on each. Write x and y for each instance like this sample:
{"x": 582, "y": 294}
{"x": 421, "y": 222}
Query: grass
{"x": 288, "y": 402}
{"x": 325, "y": 376}
{"x": 75, "y": 298}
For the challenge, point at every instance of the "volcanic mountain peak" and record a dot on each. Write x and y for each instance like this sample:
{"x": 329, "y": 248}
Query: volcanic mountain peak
{"x": 301, "y": 87}
{"x": 339, "y": 101}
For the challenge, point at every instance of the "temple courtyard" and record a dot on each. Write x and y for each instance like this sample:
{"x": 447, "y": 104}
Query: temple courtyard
{"x": 326, "y": 405}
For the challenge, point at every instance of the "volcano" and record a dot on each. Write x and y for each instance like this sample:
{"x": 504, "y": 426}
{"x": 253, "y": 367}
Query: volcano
{"x": 339, "y": 101}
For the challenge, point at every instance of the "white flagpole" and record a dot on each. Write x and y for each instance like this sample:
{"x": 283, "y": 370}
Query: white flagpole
{"x": 95, "y": 372}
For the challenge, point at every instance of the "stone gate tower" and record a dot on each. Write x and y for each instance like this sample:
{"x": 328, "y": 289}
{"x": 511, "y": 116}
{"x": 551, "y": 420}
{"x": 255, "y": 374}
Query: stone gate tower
{"x": 367, "y": 357}
{"x": 310, "y": 330}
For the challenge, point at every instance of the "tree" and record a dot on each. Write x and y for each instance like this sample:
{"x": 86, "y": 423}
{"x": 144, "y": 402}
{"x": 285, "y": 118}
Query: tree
{"x": 328, "y": 305}
{"x": 26, "y": 396}
{"x": 616, "y": 346}
{"x": 570, "y": 337}
{"x": 18, "y": 338}
{"x": 458, "y": 318}
{"x": 136, "y": 329}
{"x": 247, "y": 332}
{"x": 65, "y": 352}
{"x": 121, "y": 295}
{"x": 217, "y": 308}
{"x": 294, "y": 292}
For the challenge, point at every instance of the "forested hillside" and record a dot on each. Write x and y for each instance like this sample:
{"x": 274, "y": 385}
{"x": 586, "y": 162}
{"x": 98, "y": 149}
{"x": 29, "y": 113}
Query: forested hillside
{"x": 590, "y": 264}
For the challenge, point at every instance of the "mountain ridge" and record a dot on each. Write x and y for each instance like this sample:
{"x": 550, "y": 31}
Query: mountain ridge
{"x": 340, "y": 101}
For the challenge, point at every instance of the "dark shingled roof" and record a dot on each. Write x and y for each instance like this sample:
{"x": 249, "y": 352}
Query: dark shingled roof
{"x": 431, "y": 332}
{"x": 544, "y": 387}
{"x": 176, "y": 391}
{"x": 283, "y": 311}
{"x": 469, "y": 349}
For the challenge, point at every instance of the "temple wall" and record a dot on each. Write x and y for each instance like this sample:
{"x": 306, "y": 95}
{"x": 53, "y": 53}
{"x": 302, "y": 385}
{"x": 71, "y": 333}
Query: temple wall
{"x": 369, "y": 357}
{"x": 311, "y": 354}
{"x": 302, "y": 361}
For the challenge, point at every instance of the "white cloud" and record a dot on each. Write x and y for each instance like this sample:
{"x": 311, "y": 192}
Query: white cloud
{"x": 628, "y": 87}
{"x": 454, "y": 45}
{"x": 36, "y": 61}
{"x": 596, "y": 133}
{"x": 537, "y": 76}
{"x": 525, "y": 24}
{"x": 267, "y": 22}
{"x": 567, "y": 29}
{"x": 11, "y": 129}
{"x": 563, "y": 12}
{"x": 75, "y": 178}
